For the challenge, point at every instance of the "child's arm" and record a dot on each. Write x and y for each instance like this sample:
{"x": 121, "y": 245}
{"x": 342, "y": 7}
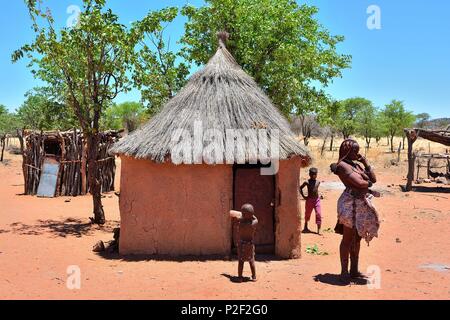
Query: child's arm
{"x": 235, "y": 214}
{"x": 301, "y": 190}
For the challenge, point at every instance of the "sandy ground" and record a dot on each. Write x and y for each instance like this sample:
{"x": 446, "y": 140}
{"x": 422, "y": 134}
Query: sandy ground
{"x": 41, "y": 238}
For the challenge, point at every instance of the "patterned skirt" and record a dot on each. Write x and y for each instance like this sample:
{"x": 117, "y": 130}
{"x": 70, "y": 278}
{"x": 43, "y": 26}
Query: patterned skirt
{"x": 359, "y": 209}
{"x": 246, "y": 251}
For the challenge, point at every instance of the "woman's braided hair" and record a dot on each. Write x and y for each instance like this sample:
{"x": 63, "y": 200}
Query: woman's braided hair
{"x": 344, "y": 151}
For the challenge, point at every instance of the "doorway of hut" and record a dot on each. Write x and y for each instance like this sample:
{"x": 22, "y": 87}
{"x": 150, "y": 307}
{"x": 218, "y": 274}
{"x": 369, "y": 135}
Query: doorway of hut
{"x": 249, "y": 186}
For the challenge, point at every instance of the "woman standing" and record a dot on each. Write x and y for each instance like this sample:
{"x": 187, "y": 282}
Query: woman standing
{"x": 357, "y": 217}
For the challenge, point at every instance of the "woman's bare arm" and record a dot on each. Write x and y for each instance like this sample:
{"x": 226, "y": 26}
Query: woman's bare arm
{"x": 351, "y": 178}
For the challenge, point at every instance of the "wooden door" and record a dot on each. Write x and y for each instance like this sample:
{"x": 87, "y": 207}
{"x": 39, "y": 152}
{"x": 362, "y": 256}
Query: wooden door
{"x": 258, "y": 190}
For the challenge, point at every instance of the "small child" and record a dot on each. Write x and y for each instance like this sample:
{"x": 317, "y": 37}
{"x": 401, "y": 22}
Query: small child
{"x": 312, "y": 200}
{"x": 246, "y": 222}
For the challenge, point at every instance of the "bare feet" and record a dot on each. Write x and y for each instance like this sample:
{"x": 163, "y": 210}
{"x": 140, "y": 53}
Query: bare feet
{"x": 345, "y": 278}
{"x": 357, "y": 275}
{"x": 240, "y": 279}
{"x": 254, "y": 278}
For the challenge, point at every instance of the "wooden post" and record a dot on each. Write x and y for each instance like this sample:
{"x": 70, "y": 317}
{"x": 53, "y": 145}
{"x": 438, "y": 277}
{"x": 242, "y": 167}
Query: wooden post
{"x": 411, "y": 159}
{"x": 83, "y": 166}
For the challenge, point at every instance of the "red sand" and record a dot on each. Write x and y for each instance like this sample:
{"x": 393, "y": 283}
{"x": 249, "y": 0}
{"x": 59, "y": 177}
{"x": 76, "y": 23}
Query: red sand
{"x": 40, "y": 238}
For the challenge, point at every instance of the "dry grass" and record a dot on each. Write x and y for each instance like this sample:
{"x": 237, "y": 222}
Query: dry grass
{"x": 379, "y": 154}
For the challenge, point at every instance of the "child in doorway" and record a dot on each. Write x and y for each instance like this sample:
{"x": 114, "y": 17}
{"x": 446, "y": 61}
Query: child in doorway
{"x": 312, "y": 200}
{"x": 246, "y": 232}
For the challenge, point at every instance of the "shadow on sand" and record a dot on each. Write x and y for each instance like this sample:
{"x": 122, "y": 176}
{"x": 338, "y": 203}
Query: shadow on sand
{"x": 235, "y": 279}
{"x": 187, "y": 258}
{"x": 69, "y": 227}
{"x": 335, "y": 280}
{"x": 424, "y": 189}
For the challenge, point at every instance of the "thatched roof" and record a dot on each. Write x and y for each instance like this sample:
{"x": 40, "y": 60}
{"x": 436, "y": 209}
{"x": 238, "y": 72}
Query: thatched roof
{"x": 222, "y": 96}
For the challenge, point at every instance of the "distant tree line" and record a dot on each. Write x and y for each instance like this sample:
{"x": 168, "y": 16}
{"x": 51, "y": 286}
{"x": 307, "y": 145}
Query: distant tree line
{"x": 358, "y": 116}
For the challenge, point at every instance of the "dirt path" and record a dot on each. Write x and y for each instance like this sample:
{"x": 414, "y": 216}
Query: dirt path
{"x": 40, "y": 238}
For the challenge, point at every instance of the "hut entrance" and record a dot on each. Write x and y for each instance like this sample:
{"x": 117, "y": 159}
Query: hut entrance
{"x": 252, "y": 187}
{"x": 52, "y": 147}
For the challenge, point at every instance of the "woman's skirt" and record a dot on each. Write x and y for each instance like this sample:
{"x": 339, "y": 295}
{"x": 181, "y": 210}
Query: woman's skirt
{"x": 359, "y": 210}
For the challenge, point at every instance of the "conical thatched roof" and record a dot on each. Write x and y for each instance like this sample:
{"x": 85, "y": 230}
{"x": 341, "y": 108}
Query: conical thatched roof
{"x": 222, "y": 96}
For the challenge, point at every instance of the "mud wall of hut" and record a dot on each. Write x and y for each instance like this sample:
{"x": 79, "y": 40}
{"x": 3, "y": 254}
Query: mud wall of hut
{"x": 183, "y": 210}
{"x": 288, "y": 210}
{"x": 175, "y": 210}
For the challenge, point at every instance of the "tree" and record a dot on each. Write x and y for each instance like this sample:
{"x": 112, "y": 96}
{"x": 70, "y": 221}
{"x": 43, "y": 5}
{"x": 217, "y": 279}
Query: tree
{"x": 346, "y": 117}
{"x": 328, "y": 117}
{"x": 158, "y": 72}
{"x": 88, "y": 65}
{"x": 366, "y": 122}
{"x": 396, "y": 119}
{"x": 41, "y": 111}
{"x": 308, "y": 124}
{"x": 422, "y": 119}
{"x": 407, "y": 119}
{"x": 279, "y": 43}
{"x": 8, "y": 124}
{"x": 379, "y": 129}
{"x": 127, "y": 115}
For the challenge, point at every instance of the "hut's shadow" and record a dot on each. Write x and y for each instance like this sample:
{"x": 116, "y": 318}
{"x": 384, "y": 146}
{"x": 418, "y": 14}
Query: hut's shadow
{"x": 187, "y": 258}
{"x": 70, "y": 227}
{"x": 336, "y": 280}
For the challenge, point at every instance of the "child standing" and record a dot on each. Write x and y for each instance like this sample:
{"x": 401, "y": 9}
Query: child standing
{"x": 312, "y": 200}
{"x": 246, "y": 232}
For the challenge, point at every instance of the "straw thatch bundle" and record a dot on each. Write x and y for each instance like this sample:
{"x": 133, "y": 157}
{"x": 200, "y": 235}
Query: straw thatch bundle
{"x": 221, "y": 96}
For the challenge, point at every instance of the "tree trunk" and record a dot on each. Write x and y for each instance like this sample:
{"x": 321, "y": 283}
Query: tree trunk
{"x": 392, "y": 144}
{"x": 83, "y": 168}
{"x": 3, "y": 142}
{"x": 94, "y": 178}
{"x": 368, "y": 140}
{"x": 404, "y": 137}
{"x": 411, "y": 161}
{"x": 305, "y": 140}
{"x": 331, "y": 142}
{"x": 322, "y": 150}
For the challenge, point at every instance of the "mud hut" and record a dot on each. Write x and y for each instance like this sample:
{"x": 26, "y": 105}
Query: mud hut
{"x": 54, "y": 163}
{"x": 176, "y": 202}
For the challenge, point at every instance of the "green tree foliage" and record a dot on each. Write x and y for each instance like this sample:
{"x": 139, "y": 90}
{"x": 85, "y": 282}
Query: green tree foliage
{"x": 127, "y": 115}
{"x": 8, "y": 125}
{"x": 40, "y": 111}
{"x": 422, "y": 119}
{"x": 88, "y": 64}
{"x": 278, "y": 42}
{"x": 159, "y": 73}
{"x": 366, "y": 122}
{"x": 328, "y": 118}
{"x": 9, "y": 122}
{"x": 347, "y": 121}
{"x": 396, "y": 118}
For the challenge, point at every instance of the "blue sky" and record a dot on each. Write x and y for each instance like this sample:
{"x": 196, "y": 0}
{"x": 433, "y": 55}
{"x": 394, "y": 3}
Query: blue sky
{"x": 407, "y": 59}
